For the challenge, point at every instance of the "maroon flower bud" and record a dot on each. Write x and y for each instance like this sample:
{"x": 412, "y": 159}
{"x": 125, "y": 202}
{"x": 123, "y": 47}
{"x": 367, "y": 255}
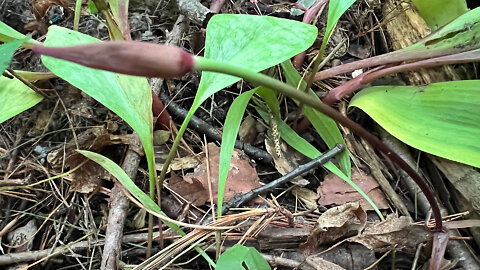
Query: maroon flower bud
{"x": 127, "y": 57}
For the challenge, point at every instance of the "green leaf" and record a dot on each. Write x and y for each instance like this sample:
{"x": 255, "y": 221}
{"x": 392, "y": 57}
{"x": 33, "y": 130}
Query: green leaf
{"x": 143, "y": 198}
{"x": 6, "y": 53}
{"x": 125, "y": 180}
{"x": 462, "y": 34}
{"x": 252, "y": 42}
{"x": 336, "y": 8}
{"x": 8, "y": 34}
{"x": 129, "y": 97}
{"x": 437, "y": 13}
{"x": 229, "y": 136}
{"x": 325, "y": 126}
{"x": 15, "y": 97}
{"x": 92, "y": 7}
{"x": 235, "y": 257}
{"x": 441, "y": 119}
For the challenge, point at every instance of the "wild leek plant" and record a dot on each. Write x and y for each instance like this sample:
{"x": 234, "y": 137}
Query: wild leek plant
{"x": 137, "y": 62}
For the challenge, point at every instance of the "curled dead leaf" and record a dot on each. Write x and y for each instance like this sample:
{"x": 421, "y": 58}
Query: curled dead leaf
{"x": 41, "y": 7}
{"x": 336, "y": 223}
{"x": 394, "y": 232}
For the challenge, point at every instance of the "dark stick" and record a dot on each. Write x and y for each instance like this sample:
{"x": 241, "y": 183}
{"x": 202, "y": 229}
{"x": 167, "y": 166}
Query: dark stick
{"x": 240, "y": 199}
{"x": 205, "y": 128}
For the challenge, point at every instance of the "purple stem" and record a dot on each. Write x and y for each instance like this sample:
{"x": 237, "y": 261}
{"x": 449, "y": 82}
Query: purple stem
{"x": 308, "y": 17}
{"x": 407, "y": 54}
{"x": 362, "y": 80}
{"x": 216, "y": 5}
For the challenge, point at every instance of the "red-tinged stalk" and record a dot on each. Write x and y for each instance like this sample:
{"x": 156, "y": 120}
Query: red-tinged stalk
{"x": 126, "y": 57}
{"x": 367, "y": 77}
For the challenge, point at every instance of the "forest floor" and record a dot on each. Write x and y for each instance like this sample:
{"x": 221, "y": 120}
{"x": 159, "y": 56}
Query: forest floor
{"x": 62, "y": 223}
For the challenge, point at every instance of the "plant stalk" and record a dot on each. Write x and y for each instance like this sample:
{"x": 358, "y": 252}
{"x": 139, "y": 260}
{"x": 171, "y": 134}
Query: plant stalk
{"x": 76, "y": 18}
{"x": 203, "y": 64}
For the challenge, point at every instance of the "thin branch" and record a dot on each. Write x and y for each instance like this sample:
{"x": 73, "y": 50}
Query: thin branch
{"x": 239, "y": 200}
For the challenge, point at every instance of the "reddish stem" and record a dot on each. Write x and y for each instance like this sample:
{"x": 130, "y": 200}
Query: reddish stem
{"x": 308, "y": 17}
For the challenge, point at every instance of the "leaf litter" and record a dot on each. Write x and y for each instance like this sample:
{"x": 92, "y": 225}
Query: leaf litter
{"x": 346, "y": 222}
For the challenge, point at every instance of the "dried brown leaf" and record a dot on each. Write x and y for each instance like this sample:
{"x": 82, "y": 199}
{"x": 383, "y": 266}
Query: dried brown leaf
{"x": 242, "y": 177}
{"x": 336, "y": 223}
{"x": 248, "y": 130}
{"x": 398, "y": 232}
{"x": 335, "y": 191}
{"x": 347, "y": 255}
{"x": 287, "y": 161}
{"x": 87, "y": 177}
{"x": 40, "y": 7}
{"x": 308, "y": 197}
{"x": 190, "y": 189}
{"x": 321, "y": 264}
{"x": 184, "y": 163}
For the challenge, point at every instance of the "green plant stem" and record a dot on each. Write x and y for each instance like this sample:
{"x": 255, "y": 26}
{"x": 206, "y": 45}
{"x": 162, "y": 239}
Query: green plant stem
{"x": 316, "y": 65}
{"x": 173, "y": 150}
{"x": 152, "y": 175}
{"x": 76, "y": 18}
{"x": 203, "y": 64}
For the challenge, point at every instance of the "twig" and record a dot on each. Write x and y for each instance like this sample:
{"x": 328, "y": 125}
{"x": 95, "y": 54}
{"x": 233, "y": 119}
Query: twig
{"x": 194, "y": 10}
{"x": 27, "y": 83}
{"x": 205, "y": 128}
{"x": 238, "y": 200}
{"x": 26, "y": 256}
{"x": 367, "y": 77}
{"x": 118, "y": 212}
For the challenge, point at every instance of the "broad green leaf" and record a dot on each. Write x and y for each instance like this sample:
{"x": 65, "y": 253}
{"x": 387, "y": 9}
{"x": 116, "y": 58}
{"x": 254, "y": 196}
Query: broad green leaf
{"x": 237, "y": 256}
{"x": 129, "y": 97}
{"x": 304, "y": 147}
{"x": 143, "y": 198}
{"x": 325, "y": 126}
{"x": 441, "y": 119}
{"x": 437, "y": 13}
{"x": 15, "y": 97}
{"x": 6, "y": 53}
{"x": 252, "y": 42}
{"x": 462, "y": 34}
{"x": 229, "y": 136}
{"x": 8, "y": 34}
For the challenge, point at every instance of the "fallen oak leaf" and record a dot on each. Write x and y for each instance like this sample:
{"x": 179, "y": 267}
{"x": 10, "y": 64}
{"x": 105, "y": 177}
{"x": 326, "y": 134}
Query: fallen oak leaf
{"x": 334, "y": 191}
{"x": 242, "y": 177}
